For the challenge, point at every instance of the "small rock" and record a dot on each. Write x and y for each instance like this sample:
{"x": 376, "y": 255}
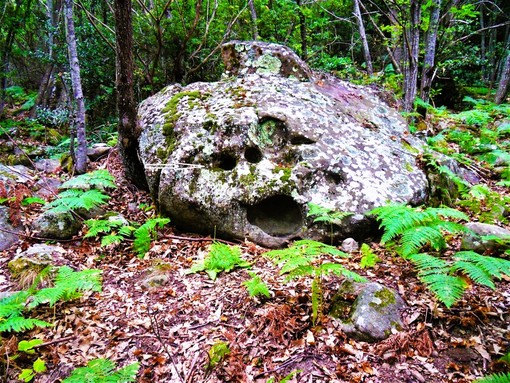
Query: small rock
{"x": 16, "y": 173}
{"x": 47, "y": 187}
{"x": 35, "y": 257}
{"x": 48, "y": 166}
{"x": 97, "y": 151}
{"x": 349, "y": 245}
{"x": 56, "y": 225}
{"x": 155, "y": 280}
{"x": 375, "y": 314}
{"x": 8, "y": 236}
{"x": 473, "y": 240}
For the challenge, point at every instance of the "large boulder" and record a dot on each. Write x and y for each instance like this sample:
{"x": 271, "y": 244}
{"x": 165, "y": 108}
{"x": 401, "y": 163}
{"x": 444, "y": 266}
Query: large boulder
{"x": 243, "y": 157}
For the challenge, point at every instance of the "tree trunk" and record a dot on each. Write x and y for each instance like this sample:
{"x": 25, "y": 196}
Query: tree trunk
{"x": 412, "y": 48}
{"x": 430, "y": 52}
{"x": 302, "y": 31}
{"x": 126, "y": 106}
{"x": 80, "y": 160}
{"x": 253, "y": 13}
{"x": 504, "y": 81}
{"x": 363, "y": 36}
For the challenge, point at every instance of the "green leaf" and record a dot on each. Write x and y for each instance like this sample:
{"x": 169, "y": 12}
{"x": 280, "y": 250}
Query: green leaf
{"x": 28, "y": 345}
{"x": 39, "y": 365}
{"x": 31, "y": 200}
{"x": 217, "y": 353}
{"x": 256, "y": 286}
{"x": 27, "y": 374}
{"x": 369, "y": 258}
{"x": 495, "y": 378}
{"x": 221, "y": 257}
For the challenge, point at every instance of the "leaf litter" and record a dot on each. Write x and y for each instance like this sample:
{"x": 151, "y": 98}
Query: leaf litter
{"x": 171, "y": 324}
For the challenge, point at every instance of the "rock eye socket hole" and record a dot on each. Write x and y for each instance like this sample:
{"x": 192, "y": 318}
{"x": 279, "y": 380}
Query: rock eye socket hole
{"x": 273, "y": 131}
{"x": 253, "y": 155}
{"x": 225, "y": 161}
{"x": 278, "y": 216}
{"x": 334, "y": 178}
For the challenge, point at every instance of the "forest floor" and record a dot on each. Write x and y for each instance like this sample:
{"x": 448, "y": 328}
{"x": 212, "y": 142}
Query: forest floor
{"x": 170, "y": 328}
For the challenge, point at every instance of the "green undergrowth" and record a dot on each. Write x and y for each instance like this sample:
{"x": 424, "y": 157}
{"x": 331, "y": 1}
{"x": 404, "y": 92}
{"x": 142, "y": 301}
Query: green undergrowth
{"x": 304, "y": 259}
{"x": 412, "y": 230}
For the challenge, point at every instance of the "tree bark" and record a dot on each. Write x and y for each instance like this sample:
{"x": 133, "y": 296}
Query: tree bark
{"x": 253, "y": 13}
{"x": 80, "y": 160}
{"x": 412, "y": 48}
{"x": 430, "y": 52}
{"x": 504, "y": 81}
{"x": 302, "y": 31}
{"x": 126, "y": 106}
{"x": 363, "y": 36}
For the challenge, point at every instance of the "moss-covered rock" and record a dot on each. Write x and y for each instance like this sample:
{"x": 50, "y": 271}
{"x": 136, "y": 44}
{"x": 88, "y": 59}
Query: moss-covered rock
{"x": 243, "y": 157}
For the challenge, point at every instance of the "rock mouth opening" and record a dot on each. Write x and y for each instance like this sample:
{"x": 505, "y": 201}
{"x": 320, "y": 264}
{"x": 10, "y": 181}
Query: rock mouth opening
{"x": 278, "y": 216}
{"x": 253, "y": 155}
{"x": 225, "y": 161}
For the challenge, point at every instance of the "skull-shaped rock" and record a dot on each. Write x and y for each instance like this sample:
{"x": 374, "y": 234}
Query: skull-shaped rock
{"x": 246, "y": 157}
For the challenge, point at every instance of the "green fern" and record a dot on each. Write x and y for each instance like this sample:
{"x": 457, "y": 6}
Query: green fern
{"x": 417, "y": 227}
{"x": 495, "y": 378}
{"x": 323, "y": 214}
{"x": 302, "y": 260}
{"x": 67, "y": 285}
{"x": 117, "y": 230}
{"x": 435, "y": 274}
{"x": 100, "y": 178}
{"x": 103, "y": 371}
{"x": 145, "y": 233}
{"x": 440, "y": 275}
{"x": 75, "y": 199}
{"x": 82, "y": 192}
{"x": 221, "y": 257}
{"x": 256, "y": 286}
{"x": 369, "y": 258}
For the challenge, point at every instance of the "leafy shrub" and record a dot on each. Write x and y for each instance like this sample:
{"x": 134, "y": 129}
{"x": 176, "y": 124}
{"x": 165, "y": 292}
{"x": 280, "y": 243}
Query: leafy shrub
{"x": 103, "y": 371}
{"x": 302, "y": 260}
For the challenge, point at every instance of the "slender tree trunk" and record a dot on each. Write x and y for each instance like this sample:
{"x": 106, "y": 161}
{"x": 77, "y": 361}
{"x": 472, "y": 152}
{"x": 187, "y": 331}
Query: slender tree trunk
{"x": 412, "y": 47}
{"x": 302, "y": 31}
{"x": 6, "y": 51}
{"x": 253, "y": 13}
{"x": 363, "y": 36}
{"x": 52, "y": 11}
{"x": 504, "y": 80}
{"x": 80, "y": 160}
{"x": 430, "y": 52}
{"x": 126, "y": 106}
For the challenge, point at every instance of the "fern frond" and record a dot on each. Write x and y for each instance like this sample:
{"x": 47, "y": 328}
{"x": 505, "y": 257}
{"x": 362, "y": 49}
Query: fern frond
{"x": 495, "y": 378}
{"x": 74, "y": 199}
{"x": 475, "y": 272}
{"x": 417, "y": 237}
{"x": 294, "y": 271}
{"x": 340, "y": 270}
{"x": 20, "y": 324}
{"x": 221, "y": 257}
{"x": 103, "y": 371}
{"x": 111, "y": 239}
{"x": 68, "y": 285}
{"x": 495, "y": 267}
{"x": 256, "y": 286}
{"x": 434, "y": 272}
{"x": 144, "y": 234}
{"x": 447, "y": 289}
{"x": 323, "y": 214}
{"x": 101, "y": 226}
{"x": 100, "y": 178}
